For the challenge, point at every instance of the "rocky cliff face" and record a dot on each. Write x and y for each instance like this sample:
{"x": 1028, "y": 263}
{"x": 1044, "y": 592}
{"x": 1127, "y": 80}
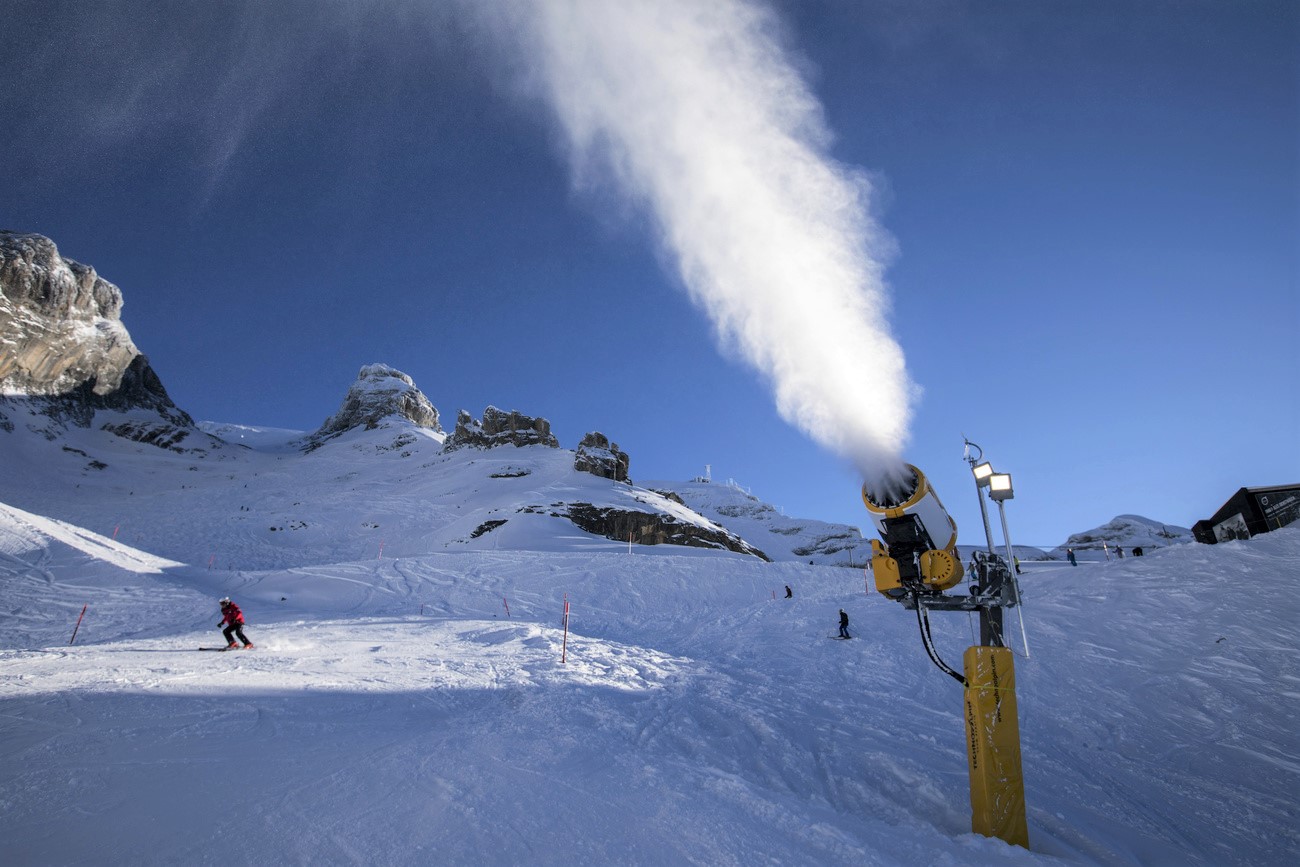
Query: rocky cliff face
{"x": 598, "y": 456}
{"x": 63, "y": 347}
{"x": 380, "y": 392}
{"x": 499, "y": 428}
{"x": 60, "y": 322}
{"x": 654, "y": 528}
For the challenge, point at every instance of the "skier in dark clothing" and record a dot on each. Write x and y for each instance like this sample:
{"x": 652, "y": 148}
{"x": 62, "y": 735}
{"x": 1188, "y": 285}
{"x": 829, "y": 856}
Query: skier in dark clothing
{"x": 1069, "y": 555}
{"x": 788, "y": 592}
{"x": 844, "y": 625}
{"x": 233, "y": 619}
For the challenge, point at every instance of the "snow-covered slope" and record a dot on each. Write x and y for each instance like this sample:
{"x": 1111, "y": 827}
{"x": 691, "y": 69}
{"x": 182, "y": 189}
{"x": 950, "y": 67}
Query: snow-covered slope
{"x": 394, "y": 713}
{"x": 782, "y": 538}
{"x": 262, "y": 500}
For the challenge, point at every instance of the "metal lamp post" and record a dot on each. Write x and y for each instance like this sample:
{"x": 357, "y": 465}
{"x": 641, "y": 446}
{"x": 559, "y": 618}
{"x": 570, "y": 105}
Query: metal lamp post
{"x": 982, "y": 470}
{"x": 1000, "y": 491}
{"x": 993, "y": 727}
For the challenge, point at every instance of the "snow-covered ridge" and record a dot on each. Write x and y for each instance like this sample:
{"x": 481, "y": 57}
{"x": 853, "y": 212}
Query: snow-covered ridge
{"x": 1126, "y": 532}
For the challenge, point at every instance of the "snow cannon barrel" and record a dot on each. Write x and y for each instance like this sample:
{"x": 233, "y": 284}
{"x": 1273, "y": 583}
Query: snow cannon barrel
{"x": 917, "y": 550}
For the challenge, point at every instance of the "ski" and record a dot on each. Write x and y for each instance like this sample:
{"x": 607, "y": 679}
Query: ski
{"x": 224, "y": 649}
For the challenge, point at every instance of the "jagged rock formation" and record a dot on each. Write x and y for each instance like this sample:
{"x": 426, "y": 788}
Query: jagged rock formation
{"x": 60, "y": 322}
{"x": 63, "y": 348}
{"x": 499, "y": 428}
{"x": 598, "y": 456}
{"x": 380, "y": 392}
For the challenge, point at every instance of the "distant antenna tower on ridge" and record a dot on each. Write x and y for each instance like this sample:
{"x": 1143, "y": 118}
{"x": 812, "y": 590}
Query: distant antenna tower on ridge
{"x": 708, "y": 472}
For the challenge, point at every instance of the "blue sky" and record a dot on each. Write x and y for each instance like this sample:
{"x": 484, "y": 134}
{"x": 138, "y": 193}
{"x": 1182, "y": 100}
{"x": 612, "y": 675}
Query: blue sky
{"x": 1094, "y": 207}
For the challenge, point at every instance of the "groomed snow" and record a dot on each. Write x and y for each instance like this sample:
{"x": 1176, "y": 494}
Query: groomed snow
{"x": 393, "y": 714}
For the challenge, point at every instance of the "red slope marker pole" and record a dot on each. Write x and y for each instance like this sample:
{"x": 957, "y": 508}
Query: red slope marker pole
{"x": 507, "y": 605}
{"x": 78, "y": 626}
{"x": 115, "y": 529}
{"x": 564, "y": 647}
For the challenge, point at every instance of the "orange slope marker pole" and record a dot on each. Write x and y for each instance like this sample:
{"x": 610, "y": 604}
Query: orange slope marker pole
{"x": 78, "y": 626}
{"x": 564, "y": 647}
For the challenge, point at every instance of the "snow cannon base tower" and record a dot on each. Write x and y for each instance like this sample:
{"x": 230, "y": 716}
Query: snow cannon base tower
{"x": 914, "y": 562}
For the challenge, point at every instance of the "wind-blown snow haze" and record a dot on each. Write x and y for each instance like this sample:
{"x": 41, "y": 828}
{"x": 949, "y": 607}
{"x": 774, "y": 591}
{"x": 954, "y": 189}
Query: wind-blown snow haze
{"x": 698, "y": 116}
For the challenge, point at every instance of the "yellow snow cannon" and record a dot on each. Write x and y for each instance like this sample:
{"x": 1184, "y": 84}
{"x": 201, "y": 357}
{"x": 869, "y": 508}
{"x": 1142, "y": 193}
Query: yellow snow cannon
{"x": 917, "y": 550}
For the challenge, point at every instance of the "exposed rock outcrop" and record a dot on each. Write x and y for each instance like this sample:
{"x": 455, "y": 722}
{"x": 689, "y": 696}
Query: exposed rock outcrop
{"x": 380, "y": 392}
{"x": 598, "y": 456}
{"x": 60, "y": 322}
{"x": 63, "y": 347}
{"x": 499, "y": 428}
{"x": 654, "y": 528}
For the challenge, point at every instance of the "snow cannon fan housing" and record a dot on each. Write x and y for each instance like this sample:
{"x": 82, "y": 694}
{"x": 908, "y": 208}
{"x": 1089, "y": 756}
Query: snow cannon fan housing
{"x": 917, "y": 550}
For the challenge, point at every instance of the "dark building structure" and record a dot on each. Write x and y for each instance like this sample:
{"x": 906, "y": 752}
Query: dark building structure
{"x": 1249, "y": 512}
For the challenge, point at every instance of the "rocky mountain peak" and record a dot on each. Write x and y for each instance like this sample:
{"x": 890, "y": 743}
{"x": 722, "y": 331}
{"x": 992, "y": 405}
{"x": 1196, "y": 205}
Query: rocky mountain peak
{"x": 63, "y": 347}
{"x": 60, "y": 322}
{"x": 600, "y": 457}
{"x": 380, "y": 392}
{"x": 500, "y": 428}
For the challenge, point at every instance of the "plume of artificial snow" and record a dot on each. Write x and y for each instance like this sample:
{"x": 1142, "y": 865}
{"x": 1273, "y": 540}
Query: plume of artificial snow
{"x": 695, "y": 112}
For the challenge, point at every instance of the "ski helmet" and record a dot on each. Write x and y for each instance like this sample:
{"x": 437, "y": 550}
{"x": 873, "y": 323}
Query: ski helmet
{"x": 225, "y": 600}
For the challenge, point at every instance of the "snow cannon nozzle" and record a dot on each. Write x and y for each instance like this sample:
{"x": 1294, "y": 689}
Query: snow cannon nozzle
{"x": 892, "y": 491}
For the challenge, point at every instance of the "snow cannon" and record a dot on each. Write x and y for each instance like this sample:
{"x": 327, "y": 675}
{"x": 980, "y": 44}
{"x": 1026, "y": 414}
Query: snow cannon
{"x": 916, "y": 554}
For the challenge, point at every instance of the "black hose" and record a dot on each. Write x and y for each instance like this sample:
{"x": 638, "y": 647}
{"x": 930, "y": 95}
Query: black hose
{"x": 923, "y": 623}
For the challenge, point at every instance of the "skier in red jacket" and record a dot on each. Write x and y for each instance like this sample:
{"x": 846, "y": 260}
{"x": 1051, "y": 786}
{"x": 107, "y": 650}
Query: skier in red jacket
{"x": 230, "y": 614}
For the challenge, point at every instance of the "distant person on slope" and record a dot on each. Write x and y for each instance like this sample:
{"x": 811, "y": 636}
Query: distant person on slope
{"x": 788, "y": 592}
{"x": 233, "y": 619}
{"x": 1069, "y": 555}
{"x": 844, "y": 625}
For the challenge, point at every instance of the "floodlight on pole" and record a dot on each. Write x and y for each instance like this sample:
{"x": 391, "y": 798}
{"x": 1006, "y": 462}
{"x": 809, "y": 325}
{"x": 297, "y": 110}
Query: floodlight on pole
{"x": 981, "y": 469}
{"x": 1001, "y": 496}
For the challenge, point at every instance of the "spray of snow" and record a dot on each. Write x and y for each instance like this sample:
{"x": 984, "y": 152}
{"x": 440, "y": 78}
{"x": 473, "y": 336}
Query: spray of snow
{"x": 698, "y": 115}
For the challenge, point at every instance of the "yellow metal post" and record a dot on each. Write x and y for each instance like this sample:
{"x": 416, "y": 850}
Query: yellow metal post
{"x": 997, "y": 789}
